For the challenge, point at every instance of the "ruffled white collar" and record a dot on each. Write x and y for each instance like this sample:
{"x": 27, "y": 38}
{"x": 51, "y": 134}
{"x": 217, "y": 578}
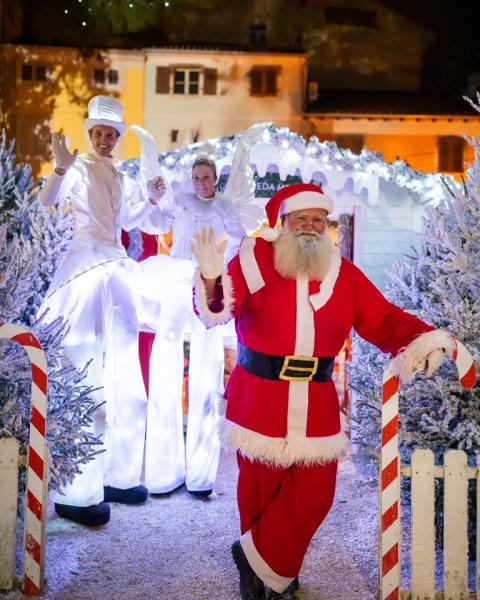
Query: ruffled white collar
{"x": 107, "y": 160}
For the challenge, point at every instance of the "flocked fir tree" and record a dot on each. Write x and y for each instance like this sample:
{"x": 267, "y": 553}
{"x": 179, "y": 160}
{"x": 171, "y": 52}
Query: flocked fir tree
{"x": 32, "y": 241}
{"x": 440, "y": 283}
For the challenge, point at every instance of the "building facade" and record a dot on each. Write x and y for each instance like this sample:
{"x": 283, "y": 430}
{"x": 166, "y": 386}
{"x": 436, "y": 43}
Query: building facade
{"x": 47, "y": 88}
{"x": 196, "y": 94}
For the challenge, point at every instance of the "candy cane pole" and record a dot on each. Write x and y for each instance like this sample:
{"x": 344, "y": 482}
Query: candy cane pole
{"x": 389, "y": 488}
{"x": 37, "y": 461}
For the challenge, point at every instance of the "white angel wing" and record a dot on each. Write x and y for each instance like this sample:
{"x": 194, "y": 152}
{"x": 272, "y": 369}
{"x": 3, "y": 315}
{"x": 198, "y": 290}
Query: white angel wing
{"x": 149, "y": 165}
{"x": 240, "y": 187}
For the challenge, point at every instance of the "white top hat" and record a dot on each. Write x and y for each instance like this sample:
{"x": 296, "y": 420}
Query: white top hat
{"x": 105, "y": 110}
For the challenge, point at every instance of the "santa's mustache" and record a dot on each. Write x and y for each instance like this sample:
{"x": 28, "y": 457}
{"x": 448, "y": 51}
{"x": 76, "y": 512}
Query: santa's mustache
{"x": 307, "y": 233}
{"x": 302, "y": 253}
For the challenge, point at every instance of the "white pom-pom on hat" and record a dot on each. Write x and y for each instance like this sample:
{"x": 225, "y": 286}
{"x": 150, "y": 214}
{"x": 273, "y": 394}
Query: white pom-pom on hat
{"x": 293, "y": 197}
{"x": 269, "y": 234}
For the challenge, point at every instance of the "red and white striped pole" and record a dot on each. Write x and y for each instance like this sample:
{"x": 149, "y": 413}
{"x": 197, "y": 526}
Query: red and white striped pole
{"x": 389, "y": 488}
{"x": 37, "y": 461}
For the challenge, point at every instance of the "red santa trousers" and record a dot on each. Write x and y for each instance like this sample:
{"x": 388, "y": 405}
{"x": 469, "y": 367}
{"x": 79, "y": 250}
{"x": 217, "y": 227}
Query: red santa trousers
{"x": 280, "y": 511}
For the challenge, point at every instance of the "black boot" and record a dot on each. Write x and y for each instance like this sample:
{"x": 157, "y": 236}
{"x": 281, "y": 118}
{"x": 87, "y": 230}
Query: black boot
{"x": 93, "y": 516}
{"x": 251, "y": 586}
{"x": 200, "y": 493}
{"x": 287, "y": 594}
{"x": 135, "y": 495}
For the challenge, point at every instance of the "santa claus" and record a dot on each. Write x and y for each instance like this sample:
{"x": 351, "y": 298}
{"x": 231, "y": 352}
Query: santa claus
{"x": 294, "y": 300}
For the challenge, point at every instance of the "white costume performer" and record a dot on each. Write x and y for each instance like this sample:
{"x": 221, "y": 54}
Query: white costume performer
{"x": 96, "y": 290}
{"x": 168, "y": 461}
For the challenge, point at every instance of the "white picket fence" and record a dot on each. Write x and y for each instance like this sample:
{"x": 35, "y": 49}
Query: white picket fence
{"x": 456, "y": 473}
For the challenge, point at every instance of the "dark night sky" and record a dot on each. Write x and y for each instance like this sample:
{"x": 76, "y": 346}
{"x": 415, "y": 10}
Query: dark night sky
{"x": 453, "y": 55}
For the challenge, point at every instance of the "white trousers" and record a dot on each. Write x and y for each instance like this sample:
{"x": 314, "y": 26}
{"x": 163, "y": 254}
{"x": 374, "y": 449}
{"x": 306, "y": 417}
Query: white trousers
{"x": 169, "y": 461}
{"x": 100, "y": 308}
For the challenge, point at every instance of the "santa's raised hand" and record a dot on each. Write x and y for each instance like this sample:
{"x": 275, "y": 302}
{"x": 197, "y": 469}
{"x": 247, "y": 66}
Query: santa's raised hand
{"x": 208, "y": 252}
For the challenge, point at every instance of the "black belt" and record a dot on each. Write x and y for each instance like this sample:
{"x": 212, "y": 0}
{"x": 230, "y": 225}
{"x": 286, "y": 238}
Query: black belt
{"x": 286, "y": 368}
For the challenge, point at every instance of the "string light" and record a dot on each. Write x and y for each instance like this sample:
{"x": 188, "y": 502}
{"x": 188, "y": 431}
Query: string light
{"x": 289, "y": 151}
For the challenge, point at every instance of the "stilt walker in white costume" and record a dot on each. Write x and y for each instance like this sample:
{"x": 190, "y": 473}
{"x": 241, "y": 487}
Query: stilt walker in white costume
{"x": 96, "y": 290}
{"x": 169, "y": 462}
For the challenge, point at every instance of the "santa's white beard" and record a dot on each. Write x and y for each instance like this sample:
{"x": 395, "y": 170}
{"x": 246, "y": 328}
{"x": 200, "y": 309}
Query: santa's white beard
{"x": 302, "y": 255}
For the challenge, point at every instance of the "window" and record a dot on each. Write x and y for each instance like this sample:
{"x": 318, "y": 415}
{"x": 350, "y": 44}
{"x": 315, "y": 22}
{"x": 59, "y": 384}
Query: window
{"x": 41, "y": 73}
{"x": 355, "y": 17}
{"x": 473, "y": 84}
{"x": 258, "y": 35}
{"x": 450, "y": 154}
{"x": 99, "y": 76}
{"x": 34, "y": 73}
{"x": 112, "y": 76}
{"x": 263, "y": 80}
{"x": 353, "y": 142}
{"x": 105, "y": 77}
{"x": 173, "y": 136}
{"x": 186, "y": 81}
{"x": 27, "y": 72}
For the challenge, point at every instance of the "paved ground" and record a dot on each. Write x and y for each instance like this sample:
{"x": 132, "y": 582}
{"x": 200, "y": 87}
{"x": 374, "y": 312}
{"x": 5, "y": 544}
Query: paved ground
{"x": 178, "y": 548}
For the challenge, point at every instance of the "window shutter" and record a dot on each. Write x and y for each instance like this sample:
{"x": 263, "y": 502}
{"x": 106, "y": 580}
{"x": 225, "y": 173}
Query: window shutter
{"x": 210, "y": 82}
{"x": 271, "y": 82}
{"x": 450, "y": 153}
{"x": 256, "y": 82}
{"x": 99, "y": 76}
{"x": 163, "y": 80}
{"x": 113, "y": 76}
{"x": 27, "y": 72}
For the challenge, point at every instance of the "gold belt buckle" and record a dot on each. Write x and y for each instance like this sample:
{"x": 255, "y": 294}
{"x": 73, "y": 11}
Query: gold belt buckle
{"x": 287, "y": 367}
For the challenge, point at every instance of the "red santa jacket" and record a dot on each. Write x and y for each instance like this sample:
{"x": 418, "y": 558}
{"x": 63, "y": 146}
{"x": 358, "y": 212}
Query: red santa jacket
{"x": 285, "y": 422}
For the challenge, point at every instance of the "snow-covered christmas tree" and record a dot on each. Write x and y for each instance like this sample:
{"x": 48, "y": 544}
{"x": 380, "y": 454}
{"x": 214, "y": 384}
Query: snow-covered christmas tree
{"x": 32, "y": 241}
{"x": 440, "y": 283}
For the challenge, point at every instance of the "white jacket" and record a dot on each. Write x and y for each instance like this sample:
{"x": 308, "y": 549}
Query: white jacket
{"x": 104, "y": 201}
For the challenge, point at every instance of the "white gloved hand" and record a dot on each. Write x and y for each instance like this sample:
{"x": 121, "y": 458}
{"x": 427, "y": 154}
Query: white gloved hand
{"x": 434, "y": 360}
{"x": 64, "y": 159}
{"x": 156, "y": 189}
{"x": 209, "y": 253}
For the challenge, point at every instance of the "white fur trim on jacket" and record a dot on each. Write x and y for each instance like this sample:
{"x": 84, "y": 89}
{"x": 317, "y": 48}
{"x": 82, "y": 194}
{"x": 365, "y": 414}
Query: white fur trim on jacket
{"x": 209, "y": 318}
{"x": 326, "y": 287}
{"x": 413, "y": 358}
{"x": 282, "y": 452}
{"x": 249, "y": 265}
{"x": 269, "y": 234}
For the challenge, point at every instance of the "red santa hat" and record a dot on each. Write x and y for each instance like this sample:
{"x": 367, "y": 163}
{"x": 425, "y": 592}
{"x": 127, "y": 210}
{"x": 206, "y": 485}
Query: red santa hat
{"x": 290, "y": 198}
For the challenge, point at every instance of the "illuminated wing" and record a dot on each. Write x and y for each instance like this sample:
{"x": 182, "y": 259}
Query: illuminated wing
{"x": 149, "y": 165}
{"x": 240, "y": 187}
